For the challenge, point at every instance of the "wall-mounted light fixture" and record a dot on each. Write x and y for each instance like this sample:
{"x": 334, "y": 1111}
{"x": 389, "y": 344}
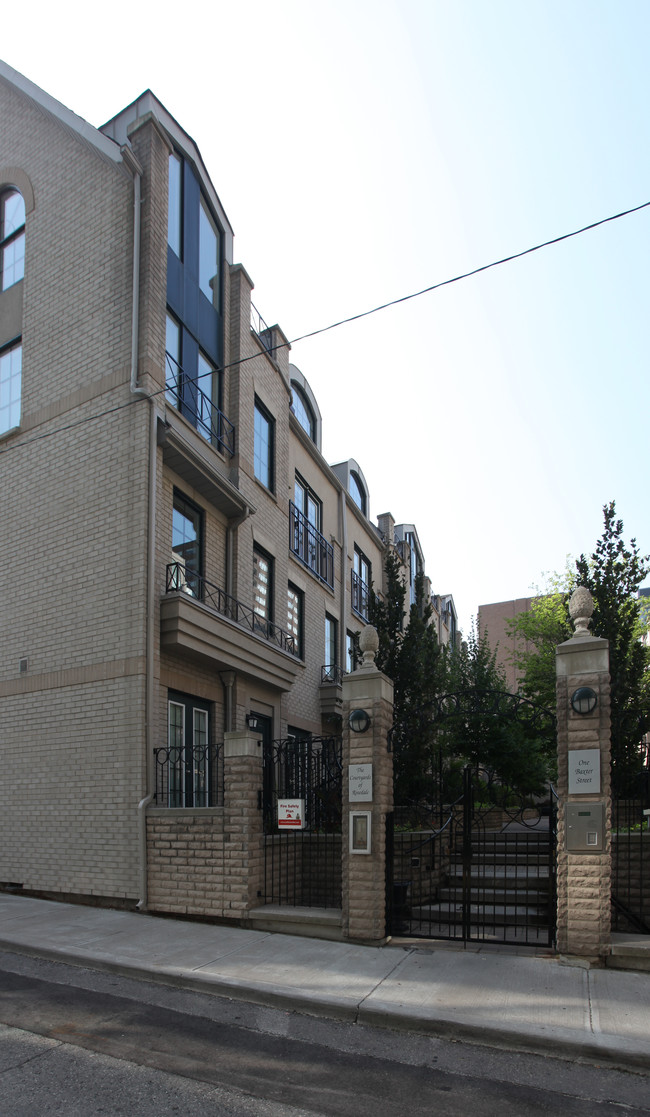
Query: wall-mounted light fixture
{"x": 584, "y": 700}
{"x": 359, "y": 721}
{"x": 251, "y": 721}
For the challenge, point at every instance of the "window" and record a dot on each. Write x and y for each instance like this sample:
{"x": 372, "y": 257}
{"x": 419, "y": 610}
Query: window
{"x": 12, "y": 238}
{"x": 308, "y": 503}
{"x": 262, "y": 586}
{"x": 416, "y": 566}
{"x": 295, "y": 612}
{"x": 305, "y": 539}
{"x": 331, "y": 648}
{"x": 303, "y": 412}
{"x": 208, "y": 255}
{"x": 207, "y": 398}
{"x": 173, "y": 360}
{"x": 11, "y": 362}
{"x": 191, "y": 775}
{"x": 350, "y": 651}
{"x": 357, "y": 492}
{"x": 175, "y": 205}
{"x": 360, "y": 584}
{"x": 187, "y": 545}
{"x": 263, "y": 447}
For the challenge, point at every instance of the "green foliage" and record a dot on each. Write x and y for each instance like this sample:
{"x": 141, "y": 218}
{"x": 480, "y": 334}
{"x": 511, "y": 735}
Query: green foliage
{"x": 422, "y": 673}
{"x": 613, "y": 574}
{"x": 485, "y": 729}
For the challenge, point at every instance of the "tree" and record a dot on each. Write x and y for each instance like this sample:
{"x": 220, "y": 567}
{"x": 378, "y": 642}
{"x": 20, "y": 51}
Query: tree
{"x": 488, "y": 728}
{"x": 411, "y": 656}
{"x": 613, "y": 574}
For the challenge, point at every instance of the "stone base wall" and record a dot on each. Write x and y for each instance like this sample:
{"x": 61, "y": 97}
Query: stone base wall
{"x": 185, "y": 860}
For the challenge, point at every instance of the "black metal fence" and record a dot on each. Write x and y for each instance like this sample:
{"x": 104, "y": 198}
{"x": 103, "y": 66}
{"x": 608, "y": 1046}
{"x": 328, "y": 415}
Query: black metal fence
{"x": 303, "y": 866}
{"x": 631, "y": 858}
{"x": 181, "y": 577}
{"x": 189, "y": 776}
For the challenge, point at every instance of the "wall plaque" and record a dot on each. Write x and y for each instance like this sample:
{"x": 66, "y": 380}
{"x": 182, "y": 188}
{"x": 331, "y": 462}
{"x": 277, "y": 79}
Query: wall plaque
{"x": 584, "y": 771}
{"x": 360, "y": 783}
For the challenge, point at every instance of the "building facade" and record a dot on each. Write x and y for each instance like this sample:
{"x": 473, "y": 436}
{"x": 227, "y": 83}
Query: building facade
{"x": 180, "y": 563}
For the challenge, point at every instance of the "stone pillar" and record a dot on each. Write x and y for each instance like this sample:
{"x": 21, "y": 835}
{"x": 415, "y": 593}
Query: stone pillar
{"x": 364, "y": 874}
{"x": 243, "y": 824}
{"x": 583, "y": 874}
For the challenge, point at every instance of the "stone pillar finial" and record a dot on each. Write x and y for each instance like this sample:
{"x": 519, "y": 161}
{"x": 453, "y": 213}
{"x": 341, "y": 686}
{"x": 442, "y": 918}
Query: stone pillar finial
{"x": 369, "y": 644}
{"x": 581, "y": 606}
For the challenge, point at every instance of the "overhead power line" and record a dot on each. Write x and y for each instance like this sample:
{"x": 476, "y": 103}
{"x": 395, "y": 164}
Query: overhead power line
{"x": 345, "y": 321}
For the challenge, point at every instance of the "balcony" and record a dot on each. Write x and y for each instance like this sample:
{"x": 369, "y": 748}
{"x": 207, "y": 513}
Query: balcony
{"x": 308, "y": 545}
{"x": 330, "y": 691}
{"x": 199, "y": 620}
{"x": 184, "y": 393}
{"x": 263, "y": 332}
{"x": 360, "y": 596}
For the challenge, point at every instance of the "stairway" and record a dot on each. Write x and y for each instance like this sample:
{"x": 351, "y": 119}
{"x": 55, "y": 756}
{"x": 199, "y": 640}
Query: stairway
{"x": 508, "y": 891}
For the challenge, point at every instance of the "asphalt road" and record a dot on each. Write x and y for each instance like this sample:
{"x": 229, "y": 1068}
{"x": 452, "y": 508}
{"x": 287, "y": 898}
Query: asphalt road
{"x": 79, "y": 1042}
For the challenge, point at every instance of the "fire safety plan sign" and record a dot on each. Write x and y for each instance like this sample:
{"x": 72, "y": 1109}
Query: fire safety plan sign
{"x": 291, "y": 814}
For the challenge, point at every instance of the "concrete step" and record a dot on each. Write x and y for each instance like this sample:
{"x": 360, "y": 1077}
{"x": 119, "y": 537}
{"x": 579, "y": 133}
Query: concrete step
{"x": 630, "y": 952}
{"x": 495, "y": 895}
{"x": 495, "y": 915}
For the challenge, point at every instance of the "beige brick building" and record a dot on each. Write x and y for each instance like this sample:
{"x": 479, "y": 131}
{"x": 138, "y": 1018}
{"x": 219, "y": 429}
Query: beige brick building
{"x": 178, "y": 558}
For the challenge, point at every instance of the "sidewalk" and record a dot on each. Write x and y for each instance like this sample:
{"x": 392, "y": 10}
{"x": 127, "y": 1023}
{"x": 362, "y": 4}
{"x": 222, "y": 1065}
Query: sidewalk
{"x": 531, "y": 1003}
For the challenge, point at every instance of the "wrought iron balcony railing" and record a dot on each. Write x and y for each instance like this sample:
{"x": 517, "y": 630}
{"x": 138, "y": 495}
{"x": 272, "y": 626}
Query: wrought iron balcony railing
{"x": 189, "y": 777}
{"x": 331, "y": 673}
{"x": 260, "y": 328}
{"x": 307, "y": 544}
{"x": 181, "y": 577}
{"x": 186, "y": 395}
{"x": 360, "y": 596}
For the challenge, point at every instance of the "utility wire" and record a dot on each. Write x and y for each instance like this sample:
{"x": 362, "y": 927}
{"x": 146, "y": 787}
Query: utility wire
{"x": 345, "y": 321}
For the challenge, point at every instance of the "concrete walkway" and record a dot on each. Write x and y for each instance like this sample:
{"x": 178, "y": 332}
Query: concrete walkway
{"x": 490, "y": 996}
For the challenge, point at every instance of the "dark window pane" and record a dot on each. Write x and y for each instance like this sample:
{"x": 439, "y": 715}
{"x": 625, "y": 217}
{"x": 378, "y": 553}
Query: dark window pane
{"x": 208, "y": 255}
{"x": 263, "y": 451}
{"x": 174, "y": 224}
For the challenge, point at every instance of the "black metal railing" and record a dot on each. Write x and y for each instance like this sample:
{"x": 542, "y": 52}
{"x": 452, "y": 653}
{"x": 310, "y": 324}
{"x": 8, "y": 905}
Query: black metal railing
{"x": 186, "y": 395}
{"x": 189, "y": 776}
{"x": 307, "y": 544}
{"x": 331, "y": 673}
{"x": 303, "y": 866}
{"x": 360, "y": 596}
{"x": 260, "y": 328}
{"x": 183, "y": 578}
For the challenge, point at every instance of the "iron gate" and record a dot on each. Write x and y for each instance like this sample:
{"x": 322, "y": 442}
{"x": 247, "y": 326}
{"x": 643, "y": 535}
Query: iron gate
{"x": 486, "y": 874}
{"x": 303, "y": 866}
{"x": 472, "y": 858}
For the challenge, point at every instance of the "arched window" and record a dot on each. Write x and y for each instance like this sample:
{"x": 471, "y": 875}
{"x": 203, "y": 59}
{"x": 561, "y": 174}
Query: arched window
{"x": 12, "y": 238}
{"x": 357, "y": 492}
{"x": 303, "y": 411}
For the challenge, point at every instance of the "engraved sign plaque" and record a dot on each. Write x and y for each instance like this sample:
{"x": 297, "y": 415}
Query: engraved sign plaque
{"x": 584, "y": 771}
{"x": 360, "y": 783}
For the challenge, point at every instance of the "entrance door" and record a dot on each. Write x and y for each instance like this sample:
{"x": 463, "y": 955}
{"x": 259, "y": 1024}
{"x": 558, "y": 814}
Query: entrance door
{"x": 188, "y": 742}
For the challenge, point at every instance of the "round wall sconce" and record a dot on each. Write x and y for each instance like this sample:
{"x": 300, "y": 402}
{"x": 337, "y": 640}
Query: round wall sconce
{"x": 359, "y": 721}
{"x": 584, "y": 700}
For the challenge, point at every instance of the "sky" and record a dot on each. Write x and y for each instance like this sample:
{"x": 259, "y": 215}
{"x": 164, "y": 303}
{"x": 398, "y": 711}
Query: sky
{"x": 367, "y": 149}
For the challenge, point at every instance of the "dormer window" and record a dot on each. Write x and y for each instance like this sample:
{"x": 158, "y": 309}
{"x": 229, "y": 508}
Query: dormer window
{"x": 357, "y": 492}
{"x": 303, "y": 412}
{"x": 12, "y": 238}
